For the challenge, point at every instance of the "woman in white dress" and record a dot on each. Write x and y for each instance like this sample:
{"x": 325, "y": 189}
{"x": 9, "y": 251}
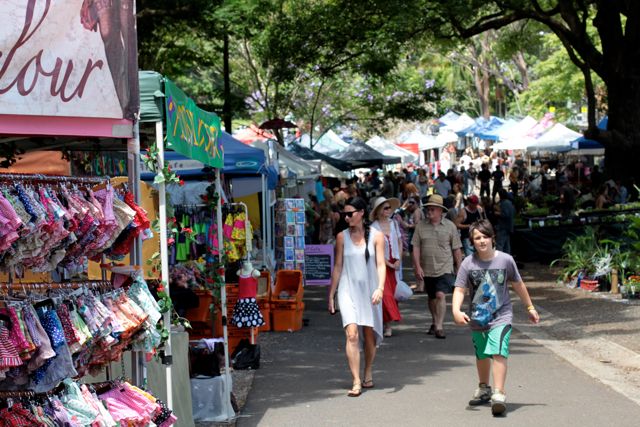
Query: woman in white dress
{"x": 359, "y": 276}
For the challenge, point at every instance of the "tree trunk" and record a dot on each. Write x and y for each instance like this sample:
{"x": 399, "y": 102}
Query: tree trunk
{"x": 622, "y": 144}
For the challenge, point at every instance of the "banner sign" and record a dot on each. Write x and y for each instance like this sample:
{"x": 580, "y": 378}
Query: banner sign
{"x": 318, "y": 263}
{"x": 191, "y": 131}
{"x": 69, "y": 58}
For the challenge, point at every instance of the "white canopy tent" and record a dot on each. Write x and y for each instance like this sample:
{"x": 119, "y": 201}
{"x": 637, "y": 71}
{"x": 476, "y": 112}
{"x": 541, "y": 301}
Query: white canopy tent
{"x": 557, "y": 139}
{"x": 390, "y": 149}
{"x": 462, "y": 122}
{"x": 327, "y": 143}
{"x": 517, "y": 130}
{"x": 303, "y": 169}
{"x": 448, "y": 118}
{"x": 515, "y": 137}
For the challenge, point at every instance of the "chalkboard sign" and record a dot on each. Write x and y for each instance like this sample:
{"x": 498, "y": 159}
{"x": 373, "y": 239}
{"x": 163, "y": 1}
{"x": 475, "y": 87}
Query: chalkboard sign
{"x": 318, "y": 264}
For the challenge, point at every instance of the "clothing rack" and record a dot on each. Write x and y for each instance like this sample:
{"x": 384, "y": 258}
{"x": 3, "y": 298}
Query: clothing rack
{"x": 51, "y": 178}
{"x": 9, "y": 394}
{"x": 44, "y": 286}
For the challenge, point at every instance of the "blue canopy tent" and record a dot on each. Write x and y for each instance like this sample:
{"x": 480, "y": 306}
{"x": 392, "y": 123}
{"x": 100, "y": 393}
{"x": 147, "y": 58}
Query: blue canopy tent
{"x": 481, "y": 125}
{"x": 590, "y": 146}
{"x": 239, "y": 159}
{"x": 495, "y": 131}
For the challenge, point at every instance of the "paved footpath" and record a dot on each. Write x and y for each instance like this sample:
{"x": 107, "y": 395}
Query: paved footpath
{"x": 554, "y": 380}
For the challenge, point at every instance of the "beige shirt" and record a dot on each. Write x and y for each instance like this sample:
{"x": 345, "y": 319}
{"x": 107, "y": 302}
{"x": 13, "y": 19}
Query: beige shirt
{"x": 436, "y": 243}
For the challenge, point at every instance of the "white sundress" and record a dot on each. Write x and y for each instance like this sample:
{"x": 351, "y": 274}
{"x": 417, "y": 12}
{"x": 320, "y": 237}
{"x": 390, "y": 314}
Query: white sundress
{"x": 358, "y": 281}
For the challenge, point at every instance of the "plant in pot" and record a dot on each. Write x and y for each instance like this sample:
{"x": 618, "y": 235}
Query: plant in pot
{"x": 577, "y": 258}
{"x": 633, "y": 287}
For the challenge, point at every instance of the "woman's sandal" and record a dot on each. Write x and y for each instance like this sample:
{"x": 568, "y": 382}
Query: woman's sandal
{"x": 367, "y": 383}
{"x": 356, "y": 390}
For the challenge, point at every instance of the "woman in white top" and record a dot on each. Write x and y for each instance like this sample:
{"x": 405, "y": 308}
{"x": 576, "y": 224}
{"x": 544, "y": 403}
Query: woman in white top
{"x": 359, "y": 276}
{"x": 381, "y": 213}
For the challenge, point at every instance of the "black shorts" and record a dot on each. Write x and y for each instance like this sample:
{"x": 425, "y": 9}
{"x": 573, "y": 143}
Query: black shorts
{"x": 442, "y": 284}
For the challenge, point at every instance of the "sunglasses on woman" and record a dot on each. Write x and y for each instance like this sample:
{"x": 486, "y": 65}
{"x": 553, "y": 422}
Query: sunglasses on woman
{"x": 349, "y": 214}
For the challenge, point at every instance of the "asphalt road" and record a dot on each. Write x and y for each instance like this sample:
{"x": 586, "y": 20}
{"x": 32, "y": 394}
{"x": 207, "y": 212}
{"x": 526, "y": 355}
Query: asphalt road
{"x": 419, "y": 380}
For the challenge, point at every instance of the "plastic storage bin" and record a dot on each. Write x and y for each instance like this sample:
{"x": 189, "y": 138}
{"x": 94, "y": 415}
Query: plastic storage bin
{"x": 286, "y": 316}
{"x": 200, "y": 316}
{"x": 288, "y": 286}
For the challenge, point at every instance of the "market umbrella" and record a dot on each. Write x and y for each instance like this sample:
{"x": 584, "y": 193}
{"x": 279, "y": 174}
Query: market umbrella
{"x": 309, "y": 154}
{"x": 277, "y": 123}
{"x": 360, "y": 155}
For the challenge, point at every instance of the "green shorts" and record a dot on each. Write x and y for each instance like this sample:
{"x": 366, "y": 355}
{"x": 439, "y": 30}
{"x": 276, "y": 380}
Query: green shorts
{"x": 492, "y": 342}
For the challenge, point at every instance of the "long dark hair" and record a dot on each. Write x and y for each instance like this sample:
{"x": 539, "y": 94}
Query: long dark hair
{"x": 358, "y": 203}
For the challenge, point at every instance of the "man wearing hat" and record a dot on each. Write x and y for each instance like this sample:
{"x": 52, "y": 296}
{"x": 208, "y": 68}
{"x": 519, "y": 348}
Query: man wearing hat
{"x": 471, "y": 213}
{"x": 436, "y": 248}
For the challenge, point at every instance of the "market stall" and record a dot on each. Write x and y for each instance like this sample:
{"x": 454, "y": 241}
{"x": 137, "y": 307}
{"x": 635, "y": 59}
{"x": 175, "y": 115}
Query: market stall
{"x": 59, "y": 222}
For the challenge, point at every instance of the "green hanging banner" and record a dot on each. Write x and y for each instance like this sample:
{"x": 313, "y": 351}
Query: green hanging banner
{"x": 192, "y": 131}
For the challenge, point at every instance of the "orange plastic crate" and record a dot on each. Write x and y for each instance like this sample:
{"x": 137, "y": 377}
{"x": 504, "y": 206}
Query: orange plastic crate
{"x": 286, "y": 317}
{"x": 288, "y": 282}
{"x": 200, "y": 316}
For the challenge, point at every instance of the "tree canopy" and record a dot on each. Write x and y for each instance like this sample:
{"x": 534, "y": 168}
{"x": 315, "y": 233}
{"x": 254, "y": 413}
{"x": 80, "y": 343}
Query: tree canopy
{"x": 313, "y": 59}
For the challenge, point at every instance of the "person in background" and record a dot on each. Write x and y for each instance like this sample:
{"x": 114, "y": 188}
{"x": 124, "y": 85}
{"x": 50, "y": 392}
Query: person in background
{"x": 436, "y": 248}
{"x": 505, "y": 214}
{"x": 311, "y": 218}
{"x": 458, "y": 197}
{"x": 410, "y": 190}
{"x": 471, "y": 213}
{"x": 485, "y": 179}
{"x": 423, "y": 183}
{"x": 313, "y": 229}
{"x": 513, "y": 181}
{"x": 388, "y": 186}
{"x": 442, "y": 186}
{"x": 602, "y": 200}
{"x": 326, "y": 224}
{"x": 410, "y": 216}
{"x": 622, "y": 193}
{"x": 498, "y": 177}
{"x": 359, "y": 276}
{"x": 381, "y": 217}
{"x": 486, "y": 275}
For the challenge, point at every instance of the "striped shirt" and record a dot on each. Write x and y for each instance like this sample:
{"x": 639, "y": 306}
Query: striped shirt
{"x": 436, "y": 243}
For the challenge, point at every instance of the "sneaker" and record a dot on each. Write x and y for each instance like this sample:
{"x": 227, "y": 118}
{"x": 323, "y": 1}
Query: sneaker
{"x": 481, "y": 396}
{"x": 387, "y": 332}
{"x": 498, "y": 403}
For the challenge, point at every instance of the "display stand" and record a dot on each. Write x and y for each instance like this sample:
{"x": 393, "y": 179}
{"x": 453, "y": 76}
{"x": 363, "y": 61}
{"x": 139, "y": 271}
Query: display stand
{"x": 290, "y": 234}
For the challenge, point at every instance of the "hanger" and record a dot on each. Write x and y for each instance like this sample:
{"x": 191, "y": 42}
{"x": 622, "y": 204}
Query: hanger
{"x": 45, "y": 303}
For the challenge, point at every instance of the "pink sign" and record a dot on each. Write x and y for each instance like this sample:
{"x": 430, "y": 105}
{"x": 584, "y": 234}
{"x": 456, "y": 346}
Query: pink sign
{"x": 63, "y": 59}
{"x": 318, "y": 264}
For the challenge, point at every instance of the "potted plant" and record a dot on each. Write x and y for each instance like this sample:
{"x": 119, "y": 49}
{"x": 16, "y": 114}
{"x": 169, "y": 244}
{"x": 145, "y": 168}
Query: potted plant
{"x": 633, "y": 287}
{"x": 577, "y": 259}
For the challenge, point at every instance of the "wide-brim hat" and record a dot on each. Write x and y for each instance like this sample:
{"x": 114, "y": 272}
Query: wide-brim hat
{"x": 436, "y": 200}
{"x": 377, "y": 203}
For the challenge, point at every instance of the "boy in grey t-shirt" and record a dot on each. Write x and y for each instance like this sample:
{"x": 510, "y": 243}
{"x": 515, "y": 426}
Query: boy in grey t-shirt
{"x": 486, "y": 274}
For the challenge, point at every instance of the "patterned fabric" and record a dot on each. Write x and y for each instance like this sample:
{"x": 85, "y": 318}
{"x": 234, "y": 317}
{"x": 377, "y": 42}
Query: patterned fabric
{"x": 246, "y": 314}
{"x": 17, "y": 416}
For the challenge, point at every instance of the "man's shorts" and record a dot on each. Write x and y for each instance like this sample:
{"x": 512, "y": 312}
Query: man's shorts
{"x": 493, "y": 342}
{"x": 442, "y": 284}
